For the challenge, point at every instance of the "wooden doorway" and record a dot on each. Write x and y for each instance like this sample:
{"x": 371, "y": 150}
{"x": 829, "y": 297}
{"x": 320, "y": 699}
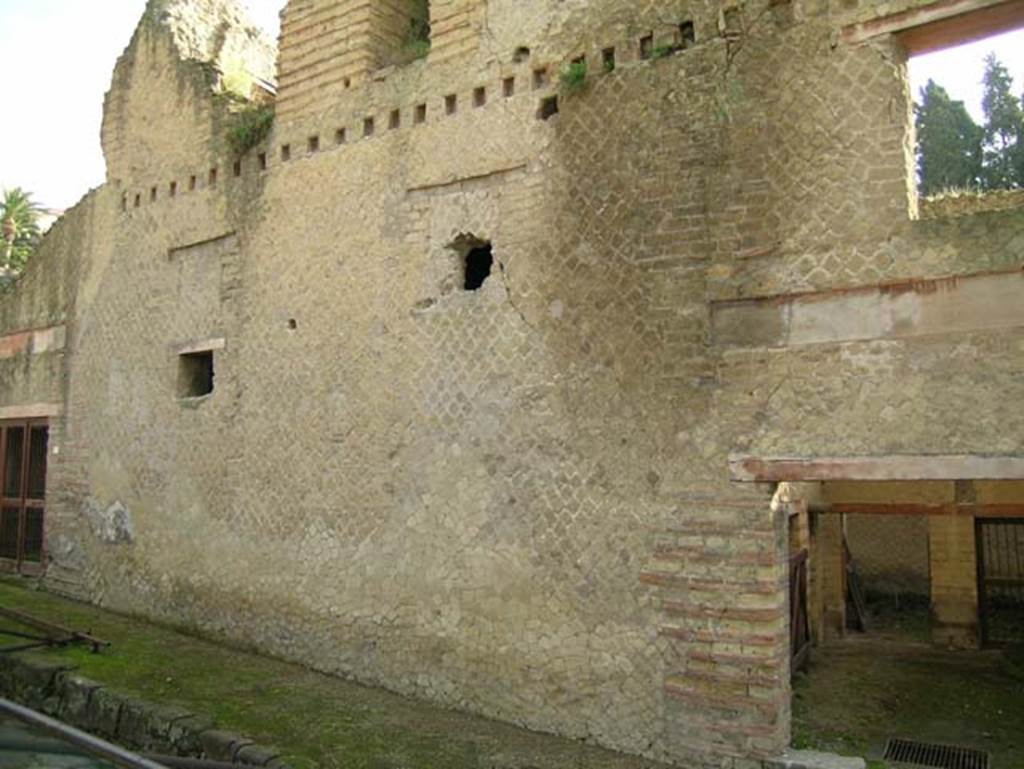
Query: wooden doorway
{"x": 23, "y": 452}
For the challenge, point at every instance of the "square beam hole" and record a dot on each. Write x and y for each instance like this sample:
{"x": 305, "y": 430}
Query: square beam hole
{"x": 195, "y": 374}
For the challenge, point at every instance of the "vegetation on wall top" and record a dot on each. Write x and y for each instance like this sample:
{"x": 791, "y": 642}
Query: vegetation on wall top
{"x": 249, "y": 127}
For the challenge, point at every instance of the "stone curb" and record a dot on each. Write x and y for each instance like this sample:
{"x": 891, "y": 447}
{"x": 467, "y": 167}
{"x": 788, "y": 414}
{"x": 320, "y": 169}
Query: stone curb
{"x": 58, "y": 691}
{"x": 812, "y": 759}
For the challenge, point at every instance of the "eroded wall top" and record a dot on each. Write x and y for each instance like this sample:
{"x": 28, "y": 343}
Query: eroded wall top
{"x": 161, "y": 102}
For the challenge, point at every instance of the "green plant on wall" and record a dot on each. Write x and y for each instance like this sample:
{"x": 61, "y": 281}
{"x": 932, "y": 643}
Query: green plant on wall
{"x": 573, "y": 78}
{"x": 417, "y": 39}
{"x": 249, "y": 127}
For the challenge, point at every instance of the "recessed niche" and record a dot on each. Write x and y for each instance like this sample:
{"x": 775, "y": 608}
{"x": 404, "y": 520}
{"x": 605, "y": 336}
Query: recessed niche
{"x": 237, "y": 168}
{"x": 341, "y": 136}
{"x": 368, "y": 126}
{"x": 451, "y": 104}
{"x": 195, "y": 374}
{"x": 508, "y": 87}
{"x": 420, "y": 114}
{"x": 286, "y": 152}
{"x": 479, "y": 96}
{"x": 395, "y": 119}
{"x": 313, "y": 144}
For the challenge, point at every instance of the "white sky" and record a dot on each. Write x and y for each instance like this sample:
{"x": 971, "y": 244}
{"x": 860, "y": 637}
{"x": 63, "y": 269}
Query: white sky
{"x": 58, "y": 56}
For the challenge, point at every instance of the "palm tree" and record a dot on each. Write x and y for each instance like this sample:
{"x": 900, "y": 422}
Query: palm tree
{"x": 19, "y": 226}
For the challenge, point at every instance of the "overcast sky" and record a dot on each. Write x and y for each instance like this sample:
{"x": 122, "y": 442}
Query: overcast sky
{"x": 58, "y": 56}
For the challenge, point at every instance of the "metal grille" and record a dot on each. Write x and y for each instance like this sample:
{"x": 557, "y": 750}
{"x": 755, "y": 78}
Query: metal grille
{"x": 924, "y": 754}
{"x": 1001, "y": 579}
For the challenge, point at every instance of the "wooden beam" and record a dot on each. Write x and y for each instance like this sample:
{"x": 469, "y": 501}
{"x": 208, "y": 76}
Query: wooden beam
{"x": 908, "y": 467}
{"x": 958, "y": 12}
{"x": 908, "y": 508}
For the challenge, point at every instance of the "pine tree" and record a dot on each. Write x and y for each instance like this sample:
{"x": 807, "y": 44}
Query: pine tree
{"x": 1004, "y": 128}
{"x": 949, "y": 143}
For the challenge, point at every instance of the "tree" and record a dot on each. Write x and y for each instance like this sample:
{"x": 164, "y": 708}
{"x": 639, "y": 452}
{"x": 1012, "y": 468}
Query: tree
{"x": 1004, "y": 128}
{"x": 949, "y": 143}
{"x": 19, "y": 227}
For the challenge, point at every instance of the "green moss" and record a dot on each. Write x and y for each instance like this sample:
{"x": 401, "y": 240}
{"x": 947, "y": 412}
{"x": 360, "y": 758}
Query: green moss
{"x": 316, "y": 720}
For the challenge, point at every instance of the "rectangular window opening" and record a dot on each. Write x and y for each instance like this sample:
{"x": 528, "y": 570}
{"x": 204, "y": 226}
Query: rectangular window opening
{"x": 213, "y": 177}
{"x": 451, "y": 104}
{"x": 967, "y": 120}
{"x": 192, "y": 182}
{"x": 395, "y": 120}
{"x": 172, "y": 189}
{"x": 286, "y": 152}
{"x": 195, "y": 374}
{"x": 368, "y": 126}
{"x": 508, "y": 87}
{"x": 262, "y": 160}
{"x": 341, "y": 136}
{"x": 420, "y": 114}
{"x": 479, "y": 96}
{"x": 313, "y": 144}
{"x": 152, "y": 195}
{"x": 540, "y": 78}
{"x": 236, "y": 169}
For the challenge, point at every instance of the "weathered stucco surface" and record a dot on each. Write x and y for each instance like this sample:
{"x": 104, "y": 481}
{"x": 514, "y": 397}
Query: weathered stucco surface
{"x": 514, "y": 500}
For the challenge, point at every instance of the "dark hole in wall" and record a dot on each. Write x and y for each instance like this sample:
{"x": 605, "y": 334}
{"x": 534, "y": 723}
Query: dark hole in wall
{"x": 687, "y": 34}
{"x": 479, "y": 96}
{"x": 341, "y": 136}
{"x": 262, "y": 159}
{"x": 608, "y": 58}
{"x": 395, "y": 120}
{"x": 152, "y": 193}
{"x": 420, "y": 115}
{"x": 548, "y": 108}
{"x": 313, "y": 144}
{"x": 368, "y": 126}
{"x": 195, "y": 374}
{"x": 540, "y": 78}
{"x": 172, "y": 189}
{"x": 647, "y": 47}
{"x": 508, "y": 87}
{"x": 451, "y": 104}
{"x": 237, "y": 168}
{"x": 192, "y": 181}
{"x": 479, "y": 262}
{"x": 521, "y": 54}
{"x": 213, "y": 177}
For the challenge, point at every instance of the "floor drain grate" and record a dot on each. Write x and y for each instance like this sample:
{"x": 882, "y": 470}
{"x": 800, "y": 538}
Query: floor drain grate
{"x": 938, "y": 756}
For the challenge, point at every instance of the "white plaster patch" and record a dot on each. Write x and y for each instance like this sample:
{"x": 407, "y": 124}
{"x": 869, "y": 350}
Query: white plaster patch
{"x": 112, "y": 525}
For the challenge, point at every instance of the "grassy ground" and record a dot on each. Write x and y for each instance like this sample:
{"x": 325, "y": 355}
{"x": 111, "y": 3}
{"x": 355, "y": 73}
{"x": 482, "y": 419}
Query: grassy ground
{"x": 864, "y": 690}
{"x": 318, "y": 721}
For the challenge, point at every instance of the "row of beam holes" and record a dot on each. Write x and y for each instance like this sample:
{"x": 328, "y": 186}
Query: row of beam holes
{"x": 685, "y": 38}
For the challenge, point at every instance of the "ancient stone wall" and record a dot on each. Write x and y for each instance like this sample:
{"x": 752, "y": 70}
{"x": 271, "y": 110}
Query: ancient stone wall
{"x": 514, "y": 499}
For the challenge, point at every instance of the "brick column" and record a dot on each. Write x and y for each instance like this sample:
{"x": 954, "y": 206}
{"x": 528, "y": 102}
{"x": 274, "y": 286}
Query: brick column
{"x": 954, "y": 581}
